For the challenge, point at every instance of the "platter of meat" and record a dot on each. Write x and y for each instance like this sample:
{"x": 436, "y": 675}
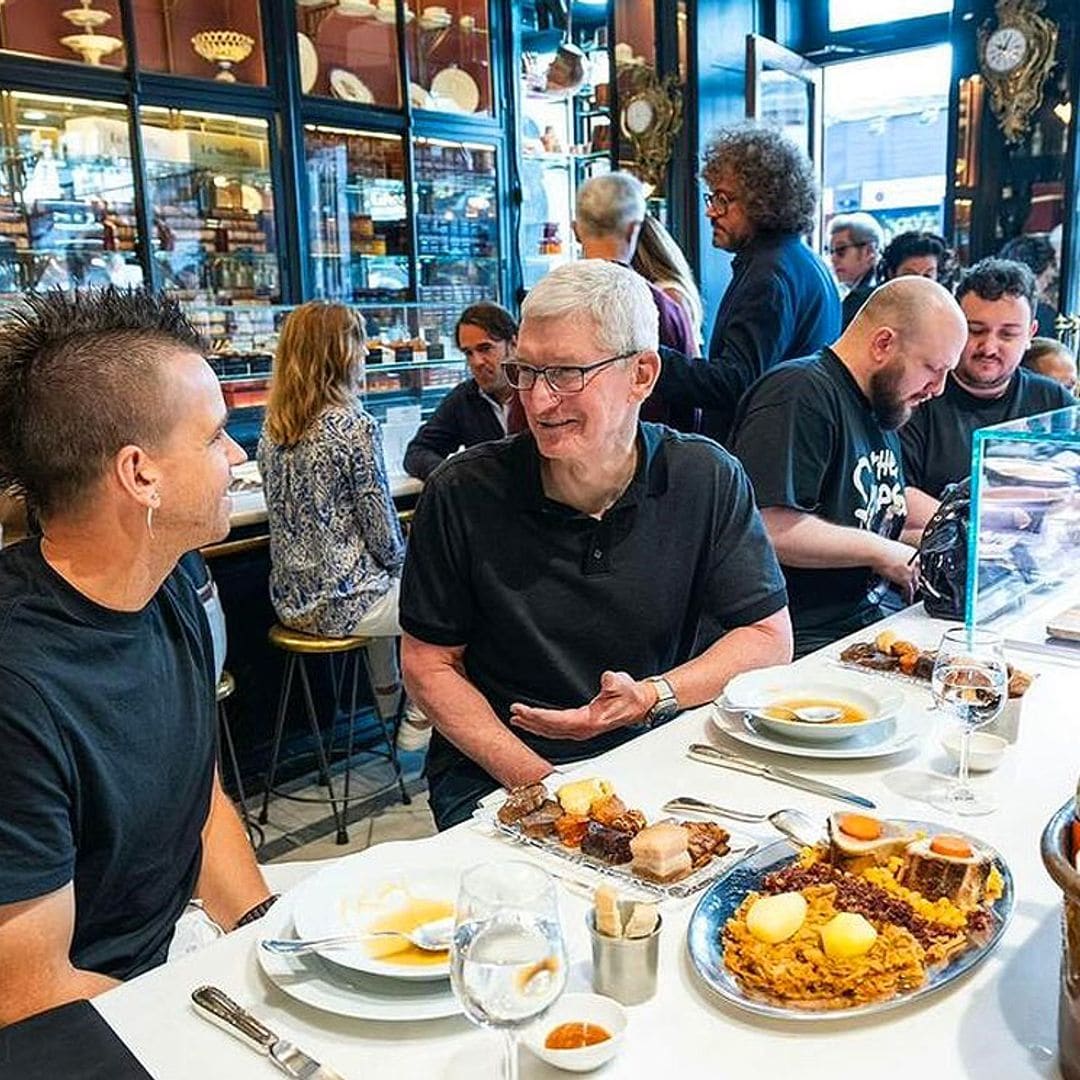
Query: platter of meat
{"x": 877, "y": 914}
{"x": 584, "y": 823}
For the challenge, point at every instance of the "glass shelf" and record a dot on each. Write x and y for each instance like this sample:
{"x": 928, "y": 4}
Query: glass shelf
{"x": 67, "y": 198}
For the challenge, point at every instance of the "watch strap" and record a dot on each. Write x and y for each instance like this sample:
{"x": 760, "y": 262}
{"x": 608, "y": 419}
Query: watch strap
{"x": 665, "y": 698}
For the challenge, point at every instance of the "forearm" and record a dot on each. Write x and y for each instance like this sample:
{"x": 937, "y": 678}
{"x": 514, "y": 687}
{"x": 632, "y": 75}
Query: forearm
{"x": 422, "y": 461}
{"x": 920, "y": 509}
{"x": 33, "y": 991}
{"x": 761, "y": 644}
{"x": 462, "y": 715}
{"x": 230, "y": 881}
{"x": 807, "y": 542}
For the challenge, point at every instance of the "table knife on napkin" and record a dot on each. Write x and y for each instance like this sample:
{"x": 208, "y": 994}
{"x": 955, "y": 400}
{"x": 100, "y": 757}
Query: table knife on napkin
{"x": 216, "y": 1006}
{"x": 711, "y": 756}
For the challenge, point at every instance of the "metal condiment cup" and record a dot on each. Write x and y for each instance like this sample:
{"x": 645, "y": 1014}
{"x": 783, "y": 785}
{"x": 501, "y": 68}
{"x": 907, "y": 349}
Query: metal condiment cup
{"x": 625, "y": 968}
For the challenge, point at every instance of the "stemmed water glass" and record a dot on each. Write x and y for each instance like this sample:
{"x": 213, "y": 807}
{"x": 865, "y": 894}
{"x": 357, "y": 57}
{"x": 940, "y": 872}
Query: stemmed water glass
{"x": 507, "y": 960}
{"x": 970, "y": 680}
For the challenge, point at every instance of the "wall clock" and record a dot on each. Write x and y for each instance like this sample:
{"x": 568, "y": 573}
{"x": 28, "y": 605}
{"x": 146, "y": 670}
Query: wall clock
{"x": 1015, "y": 56}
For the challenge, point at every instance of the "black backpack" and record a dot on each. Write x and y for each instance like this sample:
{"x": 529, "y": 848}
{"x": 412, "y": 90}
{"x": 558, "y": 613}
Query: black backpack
{"x": 943, "y": 553}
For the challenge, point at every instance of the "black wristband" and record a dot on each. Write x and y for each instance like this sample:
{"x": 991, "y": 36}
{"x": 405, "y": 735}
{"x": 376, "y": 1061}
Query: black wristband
{"x": 258, "y": 911}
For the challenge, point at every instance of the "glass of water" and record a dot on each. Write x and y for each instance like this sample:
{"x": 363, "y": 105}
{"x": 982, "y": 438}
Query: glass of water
{"x": 507, "y": 960}
{"x": 970, "y": 681}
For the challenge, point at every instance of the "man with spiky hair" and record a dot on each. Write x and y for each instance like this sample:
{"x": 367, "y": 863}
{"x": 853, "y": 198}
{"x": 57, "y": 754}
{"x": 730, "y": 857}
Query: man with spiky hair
{"x": 112, "y": 817}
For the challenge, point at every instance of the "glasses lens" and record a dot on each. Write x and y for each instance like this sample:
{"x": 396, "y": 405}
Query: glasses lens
{"x": 567, "y": 380}
{"x": 519, "y": 376}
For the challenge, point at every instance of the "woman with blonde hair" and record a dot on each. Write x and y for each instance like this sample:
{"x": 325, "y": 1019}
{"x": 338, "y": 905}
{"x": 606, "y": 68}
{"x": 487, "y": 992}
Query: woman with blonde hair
{"x": 336, "y": 548}
{"x": 658, "y": 259}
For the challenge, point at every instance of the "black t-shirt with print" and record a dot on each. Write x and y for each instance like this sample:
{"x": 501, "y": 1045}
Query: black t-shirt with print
{"x": 937, "y": 438}
{"x": 809, "y": 440}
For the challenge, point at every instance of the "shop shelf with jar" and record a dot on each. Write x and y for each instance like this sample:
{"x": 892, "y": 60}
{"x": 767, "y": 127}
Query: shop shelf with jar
{"x": 449, "y": 55}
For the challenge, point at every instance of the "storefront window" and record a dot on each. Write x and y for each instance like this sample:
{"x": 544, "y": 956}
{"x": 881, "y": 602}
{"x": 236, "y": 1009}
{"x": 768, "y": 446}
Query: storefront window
{"x": 80, "y": 30}
{"x": 358, "y": 229}
{"x": 457, "y": 219}
{"x": 450, "y": 57}
{"x": 349, "y": 50}
{"x": 212, "y": 205}
{"x": 212, "y": 39}
{"x": 67, "y": 194}
{"x": 849, "y": 14}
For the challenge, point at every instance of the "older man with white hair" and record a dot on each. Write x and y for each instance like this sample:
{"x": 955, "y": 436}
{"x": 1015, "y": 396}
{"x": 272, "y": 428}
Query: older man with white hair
{"x": 856, "y": 242}
{"x": 570, "y": 587}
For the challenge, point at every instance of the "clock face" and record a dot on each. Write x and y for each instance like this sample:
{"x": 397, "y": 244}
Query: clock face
{"x": 638, "y": 116}
{"x": 1005, "y": 49}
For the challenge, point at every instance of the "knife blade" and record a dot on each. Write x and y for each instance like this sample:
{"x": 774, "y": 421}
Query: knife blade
{"x": 216, "y": 1006}
{"x": 711, "y": 756}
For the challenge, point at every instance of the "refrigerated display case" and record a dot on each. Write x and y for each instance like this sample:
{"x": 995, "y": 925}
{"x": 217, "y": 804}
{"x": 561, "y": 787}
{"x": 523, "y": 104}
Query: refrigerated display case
{"x": 211, "y": 203}
{"x": 358, "y": 232}
{"x": 457, "y": 221}
{"x": 67, "y": 194}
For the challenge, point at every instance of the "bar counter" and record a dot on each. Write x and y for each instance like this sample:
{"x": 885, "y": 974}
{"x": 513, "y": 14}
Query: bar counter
{"x": 997, "y": 1022}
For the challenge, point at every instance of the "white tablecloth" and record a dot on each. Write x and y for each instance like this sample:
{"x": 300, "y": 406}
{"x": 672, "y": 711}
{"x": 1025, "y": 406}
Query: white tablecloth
{"x": 1000, "y": 1022}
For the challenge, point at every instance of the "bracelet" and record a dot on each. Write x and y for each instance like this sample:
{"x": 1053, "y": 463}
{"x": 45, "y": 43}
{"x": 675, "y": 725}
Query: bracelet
{"x": 258, "y": 911}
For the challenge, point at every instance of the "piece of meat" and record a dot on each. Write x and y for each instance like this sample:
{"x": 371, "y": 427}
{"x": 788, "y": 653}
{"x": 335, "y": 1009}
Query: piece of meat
{"x": 541, "y": 822}
{"x": 521, "y": 801}
{"x": 706, "y": 840}
{"x": 632, "y": 822}
{"x": 858, "y": 652}
{"x": 607, "y": 809}
{"x": 961, "y": 881}
{"x": 570, "y": 829}
{"x": 924, "y": 665}
{"x": 609, "y": 845}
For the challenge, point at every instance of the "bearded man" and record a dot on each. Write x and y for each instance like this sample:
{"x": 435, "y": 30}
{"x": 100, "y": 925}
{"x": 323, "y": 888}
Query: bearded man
{"x": 818, "y": 439}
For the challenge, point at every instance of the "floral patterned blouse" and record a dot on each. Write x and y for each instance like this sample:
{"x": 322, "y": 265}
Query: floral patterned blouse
{"x": 335, "y": 540}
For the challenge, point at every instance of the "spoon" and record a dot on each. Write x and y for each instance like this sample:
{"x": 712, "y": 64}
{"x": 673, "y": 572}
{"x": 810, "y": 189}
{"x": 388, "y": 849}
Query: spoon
{"x": 794, "y": 824}
{"x": 811, "y": 714}
{"x": 432, "y": 936}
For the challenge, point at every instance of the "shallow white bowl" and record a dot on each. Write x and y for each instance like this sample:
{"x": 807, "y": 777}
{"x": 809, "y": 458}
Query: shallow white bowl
{"x": 590, "y": 1008}
{"x": 986, "y": 751}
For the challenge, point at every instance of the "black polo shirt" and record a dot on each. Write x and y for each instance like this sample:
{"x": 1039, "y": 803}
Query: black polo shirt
{"x": 546, "y": 598}
{"x": 937, "y": 438}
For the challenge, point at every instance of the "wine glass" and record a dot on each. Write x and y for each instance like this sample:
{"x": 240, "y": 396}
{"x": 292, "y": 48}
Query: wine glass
{"x": 970, "y": 680}
{"x": 507, "y": 960}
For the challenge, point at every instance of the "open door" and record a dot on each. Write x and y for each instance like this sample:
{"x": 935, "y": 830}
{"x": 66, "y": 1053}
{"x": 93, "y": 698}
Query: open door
{"x": 783, "y": 91}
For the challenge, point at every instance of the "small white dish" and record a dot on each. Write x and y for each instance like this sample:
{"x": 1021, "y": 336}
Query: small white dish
{"x": 419, "y": 97}
{"x": 452, "y": 85}
{"x": 345, "y": 85}
{"x": 579, "y": 1008}
{"x": 985, "y": 753}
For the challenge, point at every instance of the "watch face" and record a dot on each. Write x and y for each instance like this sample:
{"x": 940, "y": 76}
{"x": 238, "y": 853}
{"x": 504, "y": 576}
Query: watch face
{"x": 1005, "y": 49}
{"x": 638, "y": 115}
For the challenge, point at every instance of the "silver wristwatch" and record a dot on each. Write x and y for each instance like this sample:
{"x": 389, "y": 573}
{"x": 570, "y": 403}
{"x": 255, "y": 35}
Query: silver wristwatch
{"x": 667, "y": 704}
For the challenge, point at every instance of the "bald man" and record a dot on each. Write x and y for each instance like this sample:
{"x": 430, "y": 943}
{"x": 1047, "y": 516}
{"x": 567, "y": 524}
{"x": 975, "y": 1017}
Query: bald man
{"x": 818, "y": 439}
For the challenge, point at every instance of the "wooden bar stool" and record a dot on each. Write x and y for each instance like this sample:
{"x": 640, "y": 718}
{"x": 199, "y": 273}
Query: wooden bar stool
{"x": 225, "y": 688}
{"x": 298, "y": 646}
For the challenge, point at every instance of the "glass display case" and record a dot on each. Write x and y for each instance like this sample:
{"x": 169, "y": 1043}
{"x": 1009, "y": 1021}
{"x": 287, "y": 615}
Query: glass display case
{"x": 457, "y": 222}
{"x": 86, "y": 31}
{"x": 358, "y": 233}
{"x": 449, "y": 51}
{"x": 67, "y": 194}
{"x": 212, "y": 205}
{"x": 348, "y": 50}
{"x": 1025, "y": 531}
{"x": 211, "y": 39}
{"x": 412, "y": 360}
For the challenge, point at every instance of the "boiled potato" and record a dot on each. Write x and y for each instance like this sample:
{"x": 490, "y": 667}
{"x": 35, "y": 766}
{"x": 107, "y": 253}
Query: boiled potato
{"x": 847, "y": 935}
{"x": 773, "y": 919}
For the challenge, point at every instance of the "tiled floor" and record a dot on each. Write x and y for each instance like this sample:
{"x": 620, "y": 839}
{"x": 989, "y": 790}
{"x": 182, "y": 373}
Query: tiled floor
{"x": 298, "y": 831}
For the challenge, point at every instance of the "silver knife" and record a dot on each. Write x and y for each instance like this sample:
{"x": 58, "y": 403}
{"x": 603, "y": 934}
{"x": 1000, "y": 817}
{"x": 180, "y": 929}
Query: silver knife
{"x": 216, "y": 1006}
{"x": 711, "y": 756}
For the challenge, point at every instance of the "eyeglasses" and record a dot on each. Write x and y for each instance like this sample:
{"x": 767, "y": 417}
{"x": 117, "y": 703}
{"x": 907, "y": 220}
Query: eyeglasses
{"x": 719, "y": 201}
{"x": 839, "y": 249}
{"x": 562, "y": 379}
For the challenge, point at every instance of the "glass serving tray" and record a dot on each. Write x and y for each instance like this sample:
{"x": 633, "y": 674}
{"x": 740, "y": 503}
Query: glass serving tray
{"x": 705, "y": 943}
{"x": 621, "y": 875}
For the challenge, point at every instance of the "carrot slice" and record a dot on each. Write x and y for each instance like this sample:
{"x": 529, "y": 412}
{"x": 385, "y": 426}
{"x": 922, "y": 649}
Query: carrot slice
{"x": 1075, "y": 839}
{"x": 954, "y": 847}
{"x": 860, "y": 826}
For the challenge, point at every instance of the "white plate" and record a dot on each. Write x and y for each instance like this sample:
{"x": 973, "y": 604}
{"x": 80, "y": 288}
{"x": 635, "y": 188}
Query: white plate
{"x": 774, "y": 685}
{"x": 324, "y": 985}
{"x": 309, "y": 62}
{"x": 897, "y": 734}
{"x": 348, "y": 87}
{"x": 349, "y": 895}
{"x": 453, "y": 84}
{"x": 419, "y": 97}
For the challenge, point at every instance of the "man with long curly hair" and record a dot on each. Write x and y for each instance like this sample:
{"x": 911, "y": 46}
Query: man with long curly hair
{"x": 761, "y": 198}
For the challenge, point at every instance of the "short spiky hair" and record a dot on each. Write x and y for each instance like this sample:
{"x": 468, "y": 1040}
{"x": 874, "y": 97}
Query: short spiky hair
{"x": 775, "y": 178}
{"x": 80, "y": 378}
{"x": 991, "y": 279}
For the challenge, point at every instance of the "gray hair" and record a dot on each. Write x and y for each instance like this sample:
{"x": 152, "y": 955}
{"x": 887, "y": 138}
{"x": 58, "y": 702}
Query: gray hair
{"x": 610, "y": 204}
{"x": 863, "y": 228}
{"x": 613, "y": 300}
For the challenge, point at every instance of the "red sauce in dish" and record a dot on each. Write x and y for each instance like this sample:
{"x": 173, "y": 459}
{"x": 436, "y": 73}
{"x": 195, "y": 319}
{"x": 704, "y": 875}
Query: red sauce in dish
{"x": 574, "y": 1036}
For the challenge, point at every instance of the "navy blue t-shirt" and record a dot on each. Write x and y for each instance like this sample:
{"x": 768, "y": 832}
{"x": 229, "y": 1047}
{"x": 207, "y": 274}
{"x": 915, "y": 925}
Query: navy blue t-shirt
{"x": 108, "y": 739}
